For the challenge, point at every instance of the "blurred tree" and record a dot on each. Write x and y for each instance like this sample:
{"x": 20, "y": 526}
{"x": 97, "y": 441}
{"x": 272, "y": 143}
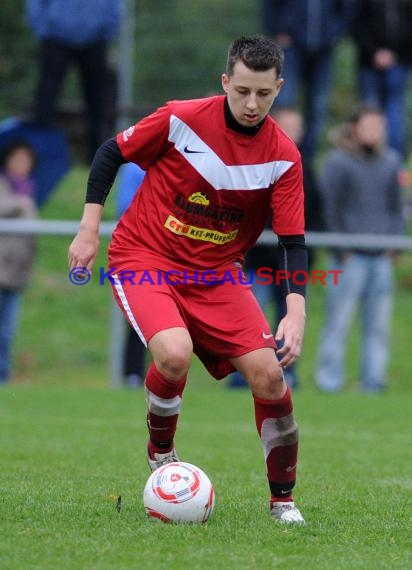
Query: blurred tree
{"x": 179, "y": 45}
{"x": 17, "y": 54}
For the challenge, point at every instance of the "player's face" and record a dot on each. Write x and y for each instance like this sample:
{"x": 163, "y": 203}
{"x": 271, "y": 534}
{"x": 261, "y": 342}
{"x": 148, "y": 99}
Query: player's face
{"x": 250, "y": 94}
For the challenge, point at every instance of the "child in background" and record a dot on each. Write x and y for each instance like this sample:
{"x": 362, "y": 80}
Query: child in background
{"x": 17, "y": 252}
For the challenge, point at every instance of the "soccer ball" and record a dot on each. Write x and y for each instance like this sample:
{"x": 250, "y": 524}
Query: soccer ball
{"x": 179, "y": 492}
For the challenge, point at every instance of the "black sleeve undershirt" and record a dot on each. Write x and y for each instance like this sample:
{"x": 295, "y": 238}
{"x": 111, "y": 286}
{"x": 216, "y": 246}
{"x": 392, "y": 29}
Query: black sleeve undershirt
{"x": 103, "y": 170}
{"x": 293, "y": 260}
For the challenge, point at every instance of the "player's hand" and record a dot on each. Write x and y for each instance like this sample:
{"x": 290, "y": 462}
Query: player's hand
{"x": 289, "y": 334}
{"x": 84, "y": 249}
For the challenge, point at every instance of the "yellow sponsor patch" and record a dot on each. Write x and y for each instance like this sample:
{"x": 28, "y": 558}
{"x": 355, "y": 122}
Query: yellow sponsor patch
{"x": 199, "y": 198}
{"x": 193, "y": 232}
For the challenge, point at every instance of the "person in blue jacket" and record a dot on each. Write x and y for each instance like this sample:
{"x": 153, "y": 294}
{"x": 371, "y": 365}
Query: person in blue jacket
{"x": 74, "y": 32}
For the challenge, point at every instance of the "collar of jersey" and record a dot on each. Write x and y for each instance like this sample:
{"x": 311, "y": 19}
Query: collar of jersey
{"x": 232, "y": 124}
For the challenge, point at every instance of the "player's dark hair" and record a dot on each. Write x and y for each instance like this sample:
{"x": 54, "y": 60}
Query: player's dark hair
{"x": 257, "y": 53}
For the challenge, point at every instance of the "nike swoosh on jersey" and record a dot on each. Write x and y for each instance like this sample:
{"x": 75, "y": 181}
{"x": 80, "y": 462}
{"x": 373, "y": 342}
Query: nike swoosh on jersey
{"x": 211, "y": 167}
{"x": 190, "y": 151}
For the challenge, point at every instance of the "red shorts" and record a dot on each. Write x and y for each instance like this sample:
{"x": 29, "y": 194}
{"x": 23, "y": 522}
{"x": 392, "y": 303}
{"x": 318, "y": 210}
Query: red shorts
{"x": 224, "y": 320}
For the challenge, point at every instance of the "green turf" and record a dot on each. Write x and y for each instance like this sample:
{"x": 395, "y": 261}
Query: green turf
{"x": 65, "y": 451}
{"x": 68, "y": 443}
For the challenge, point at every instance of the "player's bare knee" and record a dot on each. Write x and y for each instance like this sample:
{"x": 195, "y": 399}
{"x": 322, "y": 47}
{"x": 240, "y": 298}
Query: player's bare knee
{"x": 172, "y": 350}
{"x": 267, "y": 383}
{"x": 174, "y": 362}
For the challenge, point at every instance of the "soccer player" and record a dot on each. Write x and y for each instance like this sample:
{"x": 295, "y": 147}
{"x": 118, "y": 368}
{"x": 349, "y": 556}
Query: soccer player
{"x": 215, "y": 167}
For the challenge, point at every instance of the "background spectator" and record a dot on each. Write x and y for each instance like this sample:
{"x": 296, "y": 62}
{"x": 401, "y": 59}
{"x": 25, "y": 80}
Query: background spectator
{"x": 17, "y": 252}
{"x": 308, "y": 31}
{"x": 360, "y": 185}
{"x": 291, "y": 121}
{"x": 74, "y": 31}
{"x": 383, "y": 40}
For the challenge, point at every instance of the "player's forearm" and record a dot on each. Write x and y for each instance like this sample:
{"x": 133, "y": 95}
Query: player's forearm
{"x": 104, "y": 168}
{"x": 296, "y": 305}
{"x": 91, "y": 217}
{"x": 292, "y": 260}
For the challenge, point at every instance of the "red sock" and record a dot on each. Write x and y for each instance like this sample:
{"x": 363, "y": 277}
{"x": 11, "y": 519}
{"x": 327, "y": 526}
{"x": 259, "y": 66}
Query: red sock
{"x": 164, "y": 398}
{"x": 283, "y": 499}
{"x": 279, "y": 434}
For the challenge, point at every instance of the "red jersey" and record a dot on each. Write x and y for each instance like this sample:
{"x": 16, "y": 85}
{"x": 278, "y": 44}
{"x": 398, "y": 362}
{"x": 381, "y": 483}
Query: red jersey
{"x": 208, "y": 189}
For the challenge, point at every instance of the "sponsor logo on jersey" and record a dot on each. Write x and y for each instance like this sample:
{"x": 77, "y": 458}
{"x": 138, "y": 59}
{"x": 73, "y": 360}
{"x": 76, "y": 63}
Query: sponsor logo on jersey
{"x": 128, "y": 133}
{"x": 188, "y": 150}
{"x": 203, "y": 234}
{"x": 199, "y": 198}
{"x": 198, "y": 204}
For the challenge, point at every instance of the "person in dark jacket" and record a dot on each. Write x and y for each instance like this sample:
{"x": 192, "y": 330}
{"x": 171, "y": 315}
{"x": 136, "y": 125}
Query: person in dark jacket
{"x": 308, "y": 31}
{"x": 360, "y": 187}
{"x": 74, "y": 31}
{"x": 382, "y": 32}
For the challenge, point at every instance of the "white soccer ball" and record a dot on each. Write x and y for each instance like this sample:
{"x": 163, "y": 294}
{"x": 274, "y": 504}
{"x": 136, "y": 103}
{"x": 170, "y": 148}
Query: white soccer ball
{"x": 179, "y": 492}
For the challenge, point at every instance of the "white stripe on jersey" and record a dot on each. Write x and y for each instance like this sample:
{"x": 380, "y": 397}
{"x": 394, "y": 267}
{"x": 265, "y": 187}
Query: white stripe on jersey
{"x": 212, "y": 168}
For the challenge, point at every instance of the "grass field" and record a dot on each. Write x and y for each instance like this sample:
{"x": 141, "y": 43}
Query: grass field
{"x": 68, "y": 444}
{"x": 65, "y": 451}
